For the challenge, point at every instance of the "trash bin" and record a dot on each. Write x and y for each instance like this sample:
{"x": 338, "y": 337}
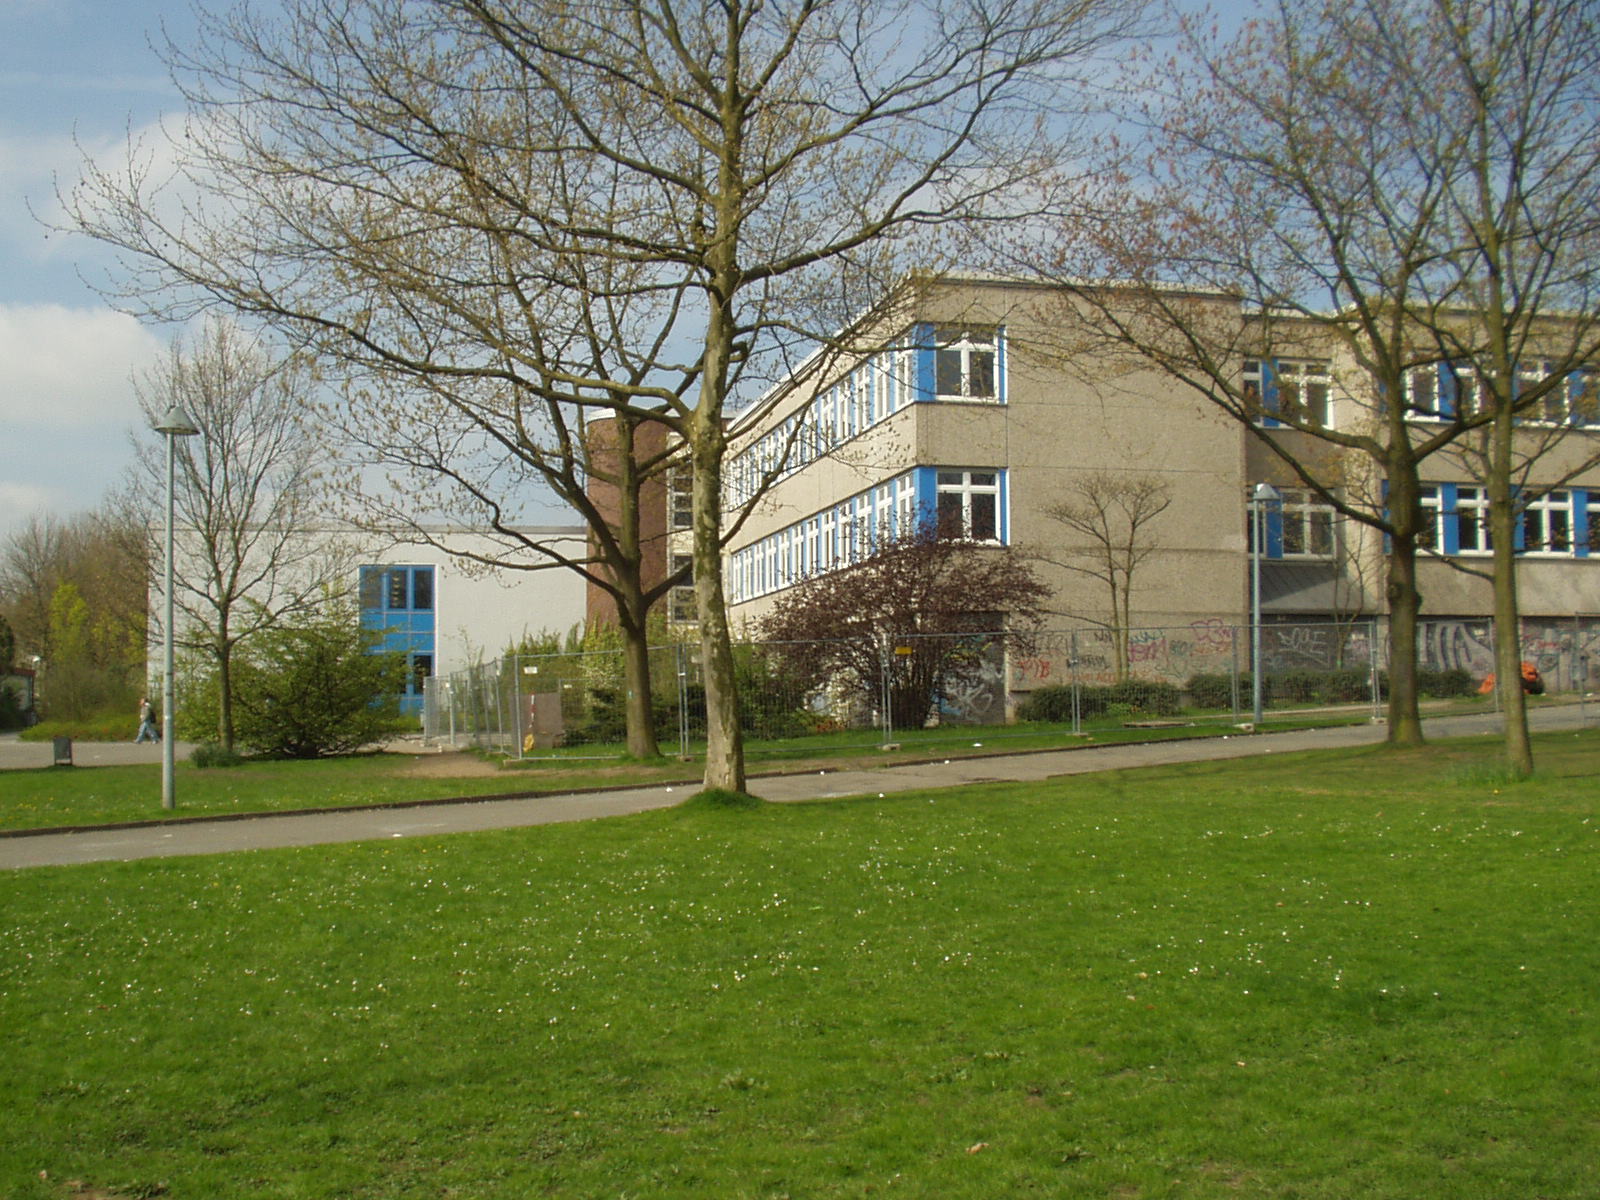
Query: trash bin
{"x": 63, "y": 751}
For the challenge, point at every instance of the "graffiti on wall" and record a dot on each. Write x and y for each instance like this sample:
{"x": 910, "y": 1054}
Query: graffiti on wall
{"x": 1565, "y": 651}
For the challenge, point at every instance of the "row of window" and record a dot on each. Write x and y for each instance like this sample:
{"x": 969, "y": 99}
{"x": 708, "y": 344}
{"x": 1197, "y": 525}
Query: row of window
{"x": 963, "y": 503}
{"x": 945, "y": 363}
{"x": 1559, "y": 524}
{"x": 1300, "y": 391}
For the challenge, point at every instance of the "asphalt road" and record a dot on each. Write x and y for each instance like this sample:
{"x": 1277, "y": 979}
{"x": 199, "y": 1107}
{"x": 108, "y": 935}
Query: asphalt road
{"x": 351, "y": 825}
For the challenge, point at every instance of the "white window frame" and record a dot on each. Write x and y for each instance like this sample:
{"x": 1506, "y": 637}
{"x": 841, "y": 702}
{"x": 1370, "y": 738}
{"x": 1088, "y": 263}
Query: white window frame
{"x": 962, "y": 482}
{"x": 1304, "y": 510}
{"x": 680, "y": 497}
{"x": 1430, "y": 538}
{"x": 1299, "y": 380}
{"x": 968, "y": 345}
{"x": 1472, "y": 513}
{"x": 1422, "y": 388}
{"x": 680, "y": 599}
{"x": 1552, "y": 519}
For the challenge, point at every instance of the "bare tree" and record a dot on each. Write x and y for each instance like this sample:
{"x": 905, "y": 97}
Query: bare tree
{"x": 1406, "y": 186}
{"x": 250, "y": 553}
{"x": 1109, "y": 516}
{"x": 425, "y": 188}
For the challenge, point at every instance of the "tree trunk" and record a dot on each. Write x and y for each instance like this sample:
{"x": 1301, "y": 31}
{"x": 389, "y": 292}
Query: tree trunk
{"x": 637, "y": 682}
{"x": 1507, "y": 617}
{"x": 724, "y": 738}
{"x": 224, "y": 649}
{"x": 1404, "y": 602}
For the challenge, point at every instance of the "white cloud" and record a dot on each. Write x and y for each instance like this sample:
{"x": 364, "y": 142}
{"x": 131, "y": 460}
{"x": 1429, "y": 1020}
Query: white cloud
{"x": 66, "y": 405}
{"x": 68, "y": 368}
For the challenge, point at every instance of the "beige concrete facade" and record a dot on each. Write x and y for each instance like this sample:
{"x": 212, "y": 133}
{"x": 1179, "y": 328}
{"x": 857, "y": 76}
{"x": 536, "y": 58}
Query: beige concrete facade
{"x": 1058, "y": 414}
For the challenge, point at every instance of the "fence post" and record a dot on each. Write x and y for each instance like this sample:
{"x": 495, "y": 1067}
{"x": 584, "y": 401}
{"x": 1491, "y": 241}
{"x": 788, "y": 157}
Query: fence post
{"x": 1372, "y": 666}
{"x": 1233, "y": 680}
{"x": 884, "y": 648}
{"x": 1072, "y": 666}
{"x": 681, "y": 665}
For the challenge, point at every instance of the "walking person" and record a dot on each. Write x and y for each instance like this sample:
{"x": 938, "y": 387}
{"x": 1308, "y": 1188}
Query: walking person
{"x": 147, "y": 722}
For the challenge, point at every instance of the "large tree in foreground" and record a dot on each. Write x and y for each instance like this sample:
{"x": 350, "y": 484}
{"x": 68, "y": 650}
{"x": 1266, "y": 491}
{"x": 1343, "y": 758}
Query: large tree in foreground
{"x": 1410, "y": 187}
{"x": 409, "y": 183}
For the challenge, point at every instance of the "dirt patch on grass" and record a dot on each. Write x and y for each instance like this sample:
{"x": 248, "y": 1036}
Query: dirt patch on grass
{"x": 452, "y": 764}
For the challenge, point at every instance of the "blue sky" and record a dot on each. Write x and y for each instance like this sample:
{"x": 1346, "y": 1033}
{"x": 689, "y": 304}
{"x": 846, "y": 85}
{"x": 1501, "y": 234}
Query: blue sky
{"x": 72, "y": 73}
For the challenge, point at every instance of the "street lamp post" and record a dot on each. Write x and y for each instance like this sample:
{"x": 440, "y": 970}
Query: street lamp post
{"x": 1262, "y": 497}
{"x": 174, "y": 424}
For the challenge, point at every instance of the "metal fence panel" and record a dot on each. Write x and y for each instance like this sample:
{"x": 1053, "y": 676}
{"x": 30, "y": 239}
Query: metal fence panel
{"x": 898, "y": 685}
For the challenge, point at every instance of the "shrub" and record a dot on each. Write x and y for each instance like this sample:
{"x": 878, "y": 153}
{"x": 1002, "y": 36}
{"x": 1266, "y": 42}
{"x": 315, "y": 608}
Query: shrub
{"x": 1446, "y": 684}
{"x": 210, "y": 754}
{"x": 1215, "y": 690}
{"x": 11, "y": 714}
{"x": 315, "y": 687}
{"x": 1133, "y": 698}
{"x": 1050, "y": 703}
{"x": 113, "y": 726}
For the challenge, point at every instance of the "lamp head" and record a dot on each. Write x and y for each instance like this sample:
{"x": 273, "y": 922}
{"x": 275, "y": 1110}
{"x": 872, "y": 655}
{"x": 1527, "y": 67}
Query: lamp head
{"x": 176, "y": 423}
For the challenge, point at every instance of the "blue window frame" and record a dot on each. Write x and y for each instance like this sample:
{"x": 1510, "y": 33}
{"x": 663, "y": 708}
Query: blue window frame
{"x": 397, "y": 602}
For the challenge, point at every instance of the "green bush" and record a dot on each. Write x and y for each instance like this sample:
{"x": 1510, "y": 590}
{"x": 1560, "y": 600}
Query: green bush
{"x": 98, "y": 727}
{"x": 210, "y": 754}
{"x": 1215, "y": 690}
{"x": 1443, "y": 685}
{"x": 1343, "y": 686}
{"x": 1134, "y": 698}
{"x": 316, "y": 687}
{"x": 11, "y": 714}
{"x": 1052, "y": 702}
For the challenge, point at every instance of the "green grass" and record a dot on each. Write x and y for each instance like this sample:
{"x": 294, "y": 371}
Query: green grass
{"x": 1369, "y": 973}
{"x": 51, "y": 797}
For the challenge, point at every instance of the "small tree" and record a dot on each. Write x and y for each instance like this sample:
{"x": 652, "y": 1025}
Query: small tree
{"x": 245, "y": 496}
{"x": 313, "y": 686}
{"x": 1110, "y": 514}
{"x": 922, "y": 590}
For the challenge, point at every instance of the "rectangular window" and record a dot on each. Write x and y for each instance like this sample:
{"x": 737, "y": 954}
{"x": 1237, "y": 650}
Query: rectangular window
{"x": 371, "y": 589}
{"x": 421, "y": 668}
{"x": 680, "y": 497}
{"x": 1431, "y": 536}
{"x": 1474, "y": 392}
{"x": 1293, "y": 391}
{"x": 397, "y": 592}
{"x": 1423, "y": 394}
{"x": 1547, "y": 524}
{"x": 967, "y": 505}
{"x": 421, "y": 589}
{"x": 1308, "y": 526}
{"x": 1303, "y": 393}
{"x": 964, "y": 364}
{"x": 1471, "y": 518}
{"x": 680, "y": 600}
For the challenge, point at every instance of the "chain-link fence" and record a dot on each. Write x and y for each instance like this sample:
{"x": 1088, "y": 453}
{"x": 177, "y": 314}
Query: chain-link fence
{"x": 913, "y": 687}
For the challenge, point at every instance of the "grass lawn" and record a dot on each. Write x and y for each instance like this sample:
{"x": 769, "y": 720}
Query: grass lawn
{"x": 51, "y": 797}
{"x": 1370, "y": 974}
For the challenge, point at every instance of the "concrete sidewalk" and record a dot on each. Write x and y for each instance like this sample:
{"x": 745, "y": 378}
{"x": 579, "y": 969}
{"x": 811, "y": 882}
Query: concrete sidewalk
{"x": 290, "y": 829}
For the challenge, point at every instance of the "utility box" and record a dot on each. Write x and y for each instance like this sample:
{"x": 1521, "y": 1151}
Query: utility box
{"x": 542, "y": 728}
{"x": 63, "y": 748}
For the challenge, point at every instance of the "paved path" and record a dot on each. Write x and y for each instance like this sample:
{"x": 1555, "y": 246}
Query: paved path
{"x": 290, "y": 829}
